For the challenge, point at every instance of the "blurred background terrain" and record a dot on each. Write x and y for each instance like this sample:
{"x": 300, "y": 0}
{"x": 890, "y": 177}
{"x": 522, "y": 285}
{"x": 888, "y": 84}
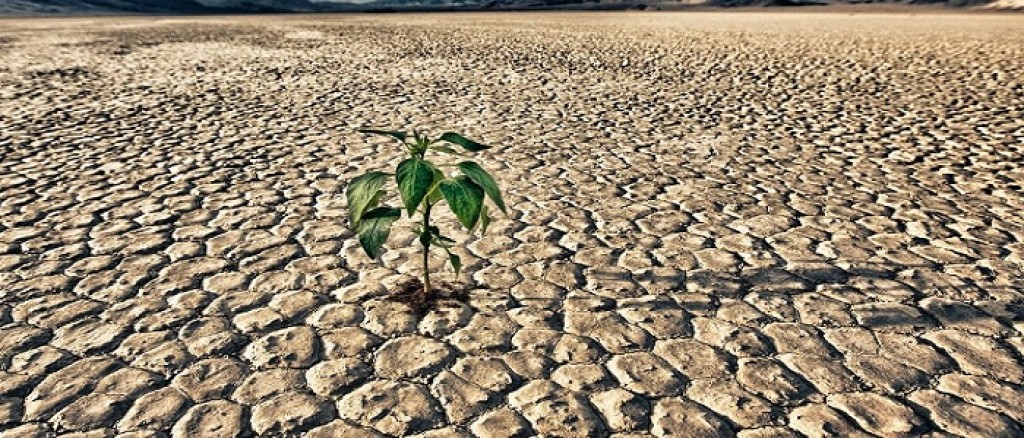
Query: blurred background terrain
{"x": 90, "y": 7}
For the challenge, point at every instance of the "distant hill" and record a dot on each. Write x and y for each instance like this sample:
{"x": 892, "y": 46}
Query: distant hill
{"x": 76, "y": 7}
{"x": 100, "y": 6}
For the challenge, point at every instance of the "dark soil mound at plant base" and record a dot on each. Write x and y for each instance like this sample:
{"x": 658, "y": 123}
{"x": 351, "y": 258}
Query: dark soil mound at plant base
{"x": 412, "y": 294}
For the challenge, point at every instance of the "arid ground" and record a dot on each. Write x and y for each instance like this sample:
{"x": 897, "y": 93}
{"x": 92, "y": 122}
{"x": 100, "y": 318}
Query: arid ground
{"x": 750, "y": 224}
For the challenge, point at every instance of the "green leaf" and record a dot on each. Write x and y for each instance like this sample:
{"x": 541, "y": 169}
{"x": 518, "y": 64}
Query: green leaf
{"x": 445, "y": 149}
{"x": 399, "y": 135}
{"x": 363, "y": 193}
{"x": 435, "y": 195}
{"x": 440, "y": 240}
{"x": 375, "y": 228}
{"x": 459, "y": 140}
{"x": 465, "y": 198}
{"x": 485, "y": 180}
{"x": 415, "y": 176}
{"x": 456, "y": 263}
{"x": 485, "y": 220}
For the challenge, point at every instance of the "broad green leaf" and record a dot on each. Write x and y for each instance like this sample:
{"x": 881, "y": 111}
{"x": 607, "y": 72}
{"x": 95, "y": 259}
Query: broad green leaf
{"x": 363, "y": 193}
{"x": 375, "y": 228}
{"x": 456, "y": 262}
{"x": 459, "y": 140}
{"x": 399, "y": 135}
{"x": 485, "y": 220}
{"x": 465, "y": 198}
{"x": 485, "y": 180}
{"x": 415, "y": 177}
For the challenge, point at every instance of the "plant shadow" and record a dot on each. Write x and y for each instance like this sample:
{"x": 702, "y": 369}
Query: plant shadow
{"x": 889, "y": 290}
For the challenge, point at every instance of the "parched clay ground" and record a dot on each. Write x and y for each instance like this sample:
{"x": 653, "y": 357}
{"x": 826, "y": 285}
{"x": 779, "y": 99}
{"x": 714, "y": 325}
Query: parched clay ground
{"x": 760, "y": 225}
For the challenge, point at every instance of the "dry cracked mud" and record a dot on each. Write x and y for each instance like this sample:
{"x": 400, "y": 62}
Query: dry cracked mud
{"x": 738, "y": 224}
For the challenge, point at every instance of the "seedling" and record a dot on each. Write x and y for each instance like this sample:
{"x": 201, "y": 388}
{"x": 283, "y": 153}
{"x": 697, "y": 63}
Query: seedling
{"x": 422, "y": 185}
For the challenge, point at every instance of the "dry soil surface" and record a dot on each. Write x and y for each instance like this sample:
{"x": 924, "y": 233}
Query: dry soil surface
{"x": 760, "y": 225}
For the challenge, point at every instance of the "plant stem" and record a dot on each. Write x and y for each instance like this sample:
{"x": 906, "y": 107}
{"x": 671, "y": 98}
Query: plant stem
{"x": 426, "y": 251}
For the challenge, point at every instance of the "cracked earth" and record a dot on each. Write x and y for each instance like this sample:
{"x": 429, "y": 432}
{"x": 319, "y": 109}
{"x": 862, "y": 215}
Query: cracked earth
{"x": 742, "y": 224}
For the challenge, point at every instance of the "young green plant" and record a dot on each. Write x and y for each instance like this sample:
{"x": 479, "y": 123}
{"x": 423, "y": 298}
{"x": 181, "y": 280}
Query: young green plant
{"x": 422, "y": 185}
